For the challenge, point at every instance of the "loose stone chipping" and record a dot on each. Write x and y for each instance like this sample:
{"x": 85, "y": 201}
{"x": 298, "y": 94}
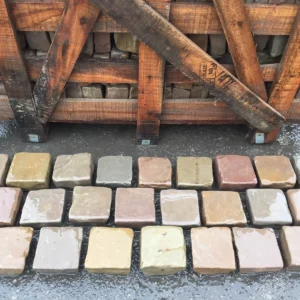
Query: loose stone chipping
{"x": 135, "y": 207}
{"x": 194, "y": 172}
{"x": 114, "y": 171}
{"x": 90, "y": 205}
{"x": 43, "y": 208}
{"x": 10, "y": 200}
{"x": 29, "y": 171}
{"x": 14, "y": 249}
{"x": 290, "y": 245}
{"x": 109, "y": 251}
{"x": 180, "y": 208}
{"x": 4, "y": 164}
{"x": 275, "y": 172}
{"x": 162, "y": 250}
{"x": 257, "y": 250}
{"x": 293, "y": 197}
{"x": 212, "y": 250}
{"x": 222, "y": 208}
{"x": 58, "y": 250}
{"x": 73, "y": 170}
{"x": 268, "y": 207}
{"x": 155, "y": 172}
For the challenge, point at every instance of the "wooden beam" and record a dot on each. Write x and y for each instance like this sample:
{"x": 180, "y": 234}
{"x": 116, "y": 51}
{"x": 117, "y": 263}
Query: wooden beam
{"x": 180, "y": 51}
{"x": 151, "y": 87}
{"x": 287, "y": 79}
{"x": 77, "y": 21}
{"x": 16, "y": 80}
{"x": 190, "y": 18}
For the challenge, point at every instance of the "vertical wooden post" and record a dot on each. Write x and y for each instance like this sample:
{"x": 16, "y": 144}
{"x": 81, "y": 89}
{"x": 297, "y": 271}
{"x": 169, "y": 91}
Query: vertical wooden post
{"x": 151, "y": 88}
{"x": 16, "y": 80}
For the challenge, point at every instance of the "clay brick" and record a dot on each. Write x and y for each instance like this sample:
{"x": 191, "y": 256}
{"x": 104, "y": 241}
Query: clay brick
{"x": 194, "y": 172}
{"x": 102, "y": 42}
{"x": 222, "y": 208}
{"x": 58, "y": 250}
{"x": 109, "y": 251}
{"x": 14, "y": 249}
{"x": 155, "y": 172}
{"x": 4, "y": 164}
{"x": 43, "y": 208}
{"x": 212, "y": 250}
{"x": 268, "y": 207}
{"x": 290, "y": 245}
{"x": 29, "y": 171}
{"x": 73, "y": 170}
{"x": 127, "y": 42}
{"x": 257, "y": 250}
{"x": 163, "y": 250}
{"x": 275, "y": 172}
{"x": 180, "y": 208}
{"x": 10, "y": 200}
{"x": 117, "y": 91}
{"x": 38, "y": 40}
{"x": 293, "y": 197}
{"x": 234, "y": 172}
{"x": 135, "y": 207}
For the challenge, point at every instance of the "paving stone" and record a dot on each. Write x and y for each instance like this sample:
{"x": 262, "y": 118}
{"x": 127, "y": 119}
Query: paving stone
{"x": 117, "y": 91}
{"x": 268, "y": 207}
{"x": 261, "y": 41}
{"x": 114, "y": 171}
{"x": 2, "y": 89}
{"x": 234, "y": 172}
{"x": 88, "y": 47}
{"x": 90, "y": 205}
{"x": 180, "y": 93}
{"x": 117, "y": 54}
{"x": 4, "y": 164}
{"x": 109, "y": 251}
{"x": 168, "y": 92}
{"x": 257, "y": 250}
{"x": 94, "y": 91}
{"x": 201, "y": 40}
{"x": 102, "y": 42}
{"x": 29, "y": 171}
{"x": 275, "y": 172}
{"x": 58, "y": 250}
{"x": 212, "y": 250}
{"x": 290, "y": 245}
{"x": 155, "y": 172}
{"x": 217, "y": 44}
{"x": 10, "y": 200}
{"x": 222, "y": 208}
{"x": 180, "y": 208}
{"x": 185, "y": 86}
{"x": 135, "y": 207}
{"x": 162, "y": 250}
{"x": 277, "y": 45}
{"x": 43, "y": 208}
{"x": 74, "y": 90}
{"x": 38, "y": 40}
{"x": 22, "y": 39}
{"x": 199, "y": 92}
{"x": 134, "y": 91}
{"x": 102, "y": 56}
{"x": 293, "y": 197}
{"x": 73, "y": 170}
{"x": 14, "y": 249}
{"x": 194, "y": 172}
{"x": 127, "y": 42}
{"x": 296, "y": 164}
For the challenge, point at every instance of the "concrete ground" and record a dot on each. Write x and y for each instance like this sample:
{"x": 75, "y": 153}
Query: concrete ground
{"x": 175, "y": 141}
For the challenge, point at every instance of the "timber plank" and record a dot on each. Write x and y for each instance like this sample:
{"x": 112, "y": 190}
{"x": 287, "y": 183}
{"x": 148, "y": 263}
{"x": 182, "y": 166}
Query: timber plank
{"x": 175, "y": 47}
{"x": 76, "y": 23}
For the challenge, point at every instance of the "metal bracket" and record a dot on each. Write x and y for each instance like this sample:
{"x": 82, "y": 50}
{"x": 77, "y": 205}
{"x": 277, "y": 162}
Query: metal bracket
{"x": 259, "y": 138}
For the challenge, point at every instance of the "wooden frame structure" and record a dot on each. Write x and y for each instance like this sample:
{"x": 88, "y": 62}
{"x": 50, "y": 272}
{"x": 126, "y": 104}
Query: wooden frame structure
{"x": 240, "y": 89}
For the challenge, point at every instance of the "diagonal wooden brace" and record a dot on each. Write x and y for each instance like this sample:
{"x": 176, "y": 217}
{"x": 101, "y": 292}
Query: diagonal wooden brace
{"x": 172, "y": 45}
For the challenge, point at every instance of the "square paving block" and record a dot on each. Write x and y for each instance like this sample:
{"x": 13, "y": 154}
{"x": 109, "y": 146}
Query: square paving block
{"x": 234, "y": 172}
{"x": 222, "y": 208}
{"x": 29, "y": 171}
{"x": 194, "y": 172}
{"x": 155, "y": 172}
{"x": 275, "y": 172}
{"x": 4, "y": 164}
{"x": 14, "y": 249}
{"x": 257, "y": 250}
{"x": 296, "y": 164}
{"x": 114, "y": 171}
{"x": 293, "y": 197}
{"x": 180, "y": 208}
{"x": 58, "y": 250}
{"x": 135, "y": 207}
{"x": 212, "y": 250}
{"x": 268, "y": 207}
{"x": 290, "y": 245}
{"x": 162, "y": 250}
{"x": 109, "y": 251}
{"x": 73, "y": 170}
{"x": 10, "y": 200}
{"x": 90, "y": 205}
{"x": 43, "y": 208}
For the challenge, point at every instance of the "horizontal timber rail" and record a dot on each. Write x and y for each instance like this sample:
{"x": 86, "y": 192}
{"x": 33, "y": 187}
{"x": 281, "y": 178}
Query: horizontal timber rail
{"x": 189, "y": 18}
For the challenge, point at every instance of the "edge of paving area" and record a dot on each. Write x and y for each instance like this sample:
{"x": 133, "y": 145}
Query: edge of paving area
{"x": 119, "y": 140}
